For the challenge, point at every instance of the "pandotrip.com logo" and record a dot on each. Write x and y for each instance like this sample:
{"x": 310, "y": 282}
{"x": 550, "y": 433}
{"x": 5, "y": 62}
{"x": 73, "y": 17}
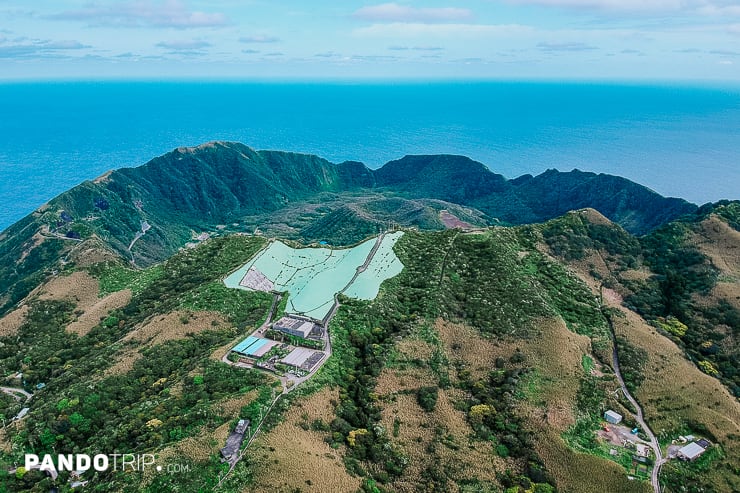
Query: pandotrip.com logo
{"x": 81, "y": 463}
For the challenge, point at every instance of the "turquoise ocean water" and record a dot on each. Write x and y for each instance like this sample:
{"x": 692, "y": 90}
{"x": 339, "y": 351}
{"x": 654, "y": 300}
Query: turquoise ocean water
{"x": 678, "y": 140}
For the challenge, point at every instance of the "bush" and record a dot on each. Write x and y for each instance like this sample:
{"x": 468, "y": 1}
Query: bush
{"x": 427, "y": 398}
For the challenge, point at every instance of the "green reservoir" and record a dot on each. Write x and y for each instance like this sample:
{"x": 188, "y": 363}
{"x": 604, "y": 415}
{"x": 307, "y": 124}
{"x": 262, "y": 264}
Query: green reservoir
{"x": 312, "y": 276}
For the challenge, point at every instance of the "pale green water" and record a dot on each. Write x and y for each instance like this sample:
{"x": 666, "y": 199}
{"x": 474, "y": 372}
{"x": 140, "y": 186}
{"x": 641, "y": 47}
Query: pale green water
{"x": 313, "y": 276}
{"x": 384, "y": 265}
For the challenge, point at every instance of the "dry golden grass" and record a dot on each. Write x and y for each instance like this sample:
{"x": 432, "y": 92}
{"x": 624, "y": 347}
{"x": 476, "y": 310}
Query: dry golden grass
{"x": 462, "y": 343}
{"x": 582, "y": 473}
{"x": 408, "y": 352}
{"x": 472, "y": 459}
{"x": 222, "y": 351}
{"x": 392, "y": 380}
{"x": 415, "y": 349}
{"x": 92, "y": 251}
{"x": 5, "y": 443}
{"x": 230, "y": 408}
{"x": 591, "y": 260}
{"x": 593, "y": 216}
{"x": 557, "y": 353}
{"x": 163, "y": 328}
{"x": 289, "y": 457}
{"x": 197, "y": 449}
{"x": 79, "y": 288}
{"x": 94, "y": 314}
{"x": 721, "y": 243}
{"x": 124, "y": 363}
{"x": 104, "y": 178}
{"x": 674, "y": 389}
{"x": 727, "y": 291}
{"x": 454, "y": 451}
{"x": 11, "y": 322}
{"x": 635, "y": 275}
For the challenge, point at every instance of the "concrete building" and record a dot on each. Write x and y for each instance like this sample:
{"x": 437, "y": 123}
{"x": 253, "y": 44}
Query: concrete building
{"x": 691, "y": 451}
{"x": 230, "y": 452}
{"x": 297, "y": 327}
{"x": 303, "y": 358}
{"x": 613, "y": 417}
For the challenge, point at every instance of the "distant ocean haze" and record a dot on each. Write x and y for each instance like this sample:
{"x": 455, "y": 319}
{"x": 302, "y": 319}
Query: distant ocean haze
{"x": 678, "y": 140}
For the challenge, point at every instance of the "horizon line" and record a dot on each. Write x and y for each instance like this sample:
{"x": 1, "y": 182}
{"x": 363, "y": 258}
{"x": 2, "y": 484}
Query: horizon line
{"x": 381, "y": 80}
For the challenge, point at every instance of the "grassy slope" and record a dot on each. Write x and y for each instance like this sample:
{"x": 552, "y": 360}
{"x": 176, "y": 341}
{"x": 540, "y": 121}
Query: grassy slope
{"x": 476, "y": 283}
{"x": 690, "y": 401}
{"x": 85, "y": 407}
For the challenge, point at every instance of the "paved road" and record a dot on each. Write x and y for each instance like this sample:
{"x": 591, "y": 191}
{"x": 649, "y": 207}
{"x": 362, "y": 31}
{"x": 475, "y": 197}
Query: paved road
{"x": 659, "y": 460}
{"x": 13, "y": 392}
{"x": 298, "y": 380}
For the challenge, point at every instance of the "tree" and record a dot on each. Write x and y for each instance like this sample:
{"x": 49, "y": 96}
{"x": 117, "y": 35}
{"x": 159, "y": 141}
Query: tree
{"x": 480, "y": 412}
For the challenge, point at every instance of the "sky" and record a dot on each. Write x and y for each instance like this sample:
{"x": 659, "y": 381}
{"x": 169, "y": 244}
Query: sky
{"x": 348, "y": 39}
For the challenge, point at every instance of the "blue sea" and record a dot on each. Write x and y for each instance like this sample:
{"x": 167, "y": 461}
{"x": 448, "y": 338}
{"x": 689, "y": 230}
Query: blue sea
{"x": 679, "y": 140}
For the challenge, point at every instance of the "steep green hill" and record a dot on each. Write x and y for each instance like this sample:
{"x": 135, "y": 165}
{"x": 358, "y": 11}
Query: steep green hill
{"x": 147, "y": 213}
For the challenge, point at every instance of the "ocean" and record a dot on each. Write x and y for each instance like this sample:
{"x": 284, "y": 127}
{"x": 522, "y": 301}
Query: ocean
{"x": 679, "y": 140}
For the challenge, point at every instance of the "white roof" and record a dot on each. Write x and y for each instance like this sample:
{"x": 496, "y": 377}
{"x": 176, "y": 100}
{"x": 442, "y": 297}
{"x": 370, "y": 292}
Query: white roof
{"x": 298, "y": 356}
{"x": 691, "y": 451}
{"x": 613, "y": 414}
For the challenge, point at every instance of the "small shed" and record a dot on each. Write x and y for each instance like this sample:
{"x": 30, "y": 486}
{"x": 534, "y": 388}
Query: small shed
{"x": 613, "y": 417}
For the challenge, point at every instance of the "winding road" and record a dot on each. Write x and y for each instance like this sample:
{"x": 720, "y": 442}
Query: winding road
{"x": 13, "y": 392}
{"x": 639, "y": 417}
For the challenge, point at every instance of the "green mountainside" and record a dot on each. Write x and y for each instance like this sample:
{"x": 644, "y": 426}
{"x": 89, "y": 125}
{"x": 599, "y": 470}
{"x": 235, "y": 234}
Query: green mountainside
{"x": 485, "y": 365}
{"x": 148, "y": 213}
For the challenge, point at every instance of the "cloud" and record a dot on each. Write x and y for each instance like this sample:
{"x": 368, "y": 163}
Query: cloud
{"x": 606, "y": 4}
{"x": 731, "y": 9}
{"x": 392, "y": 12}
{"x": 250, "y": 52}
{"x": 415, "y": 48}
{"x": 260, "y": 38}
{"x": 275, "y": 53}
{"x": 724, "y": 52}
{"x": 184, "y": 45}
{"x": 328, "y": 54}
{"x": 726, "y": 62}
{"x": 560, "y": 47}
{"x": 40, "y": 49}
{"x": 143, "y": 13}
{"x": 734, "y": 29}
{"x": 632, "y": 52}
{"x": 416, "y": 29}
{"x": 375, "y": 58}
{"x": 718, "y": 8}
{"x": 468, "y": 60}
